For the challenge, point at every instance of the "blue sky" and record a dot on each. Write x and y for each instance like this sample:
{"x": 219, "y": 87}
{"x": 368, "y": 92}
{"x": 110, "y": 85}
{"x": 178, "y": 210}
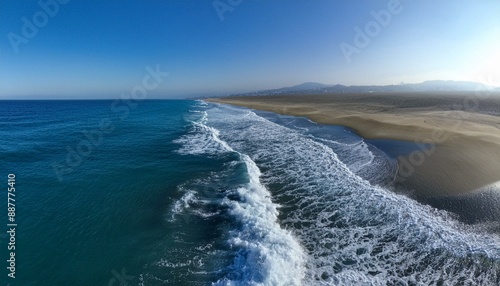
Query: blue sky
{"x": 100, "y": 49}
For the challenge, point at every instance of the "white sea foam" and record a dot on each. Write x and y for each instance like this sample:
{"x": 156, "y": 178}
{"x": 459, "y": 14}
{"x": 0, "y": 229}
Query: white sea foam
{"x": 202, "y": 139}
{"x": 266, "y": 254}
{"x": 353, "y": 232}
{"x": 359, "y": 154}
{"x": 183, "y": 203}
{"x": 362, "y": 159}
{"x": 367, "y": 162}
{"x": 200, "y": 102}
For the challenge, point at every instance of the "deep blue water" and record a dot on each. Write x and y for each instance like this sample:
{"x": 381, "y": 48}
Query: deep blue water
{"x": 190, "y": 193}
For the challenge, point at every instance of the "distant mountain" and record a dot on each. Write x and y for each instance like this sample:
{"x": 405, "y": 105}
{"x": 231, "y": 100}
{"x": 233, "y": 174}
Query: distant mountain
{"x": 447, "y": 85}
{"x": 432, "y": 85}
{"x": 304, "y": 87}
{"x": 307, "y": 86}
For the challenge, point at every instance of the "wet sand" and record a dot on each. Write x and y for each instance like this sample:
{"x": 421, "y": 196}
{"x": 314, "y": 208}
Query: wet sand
{"x": 461, "y": 132}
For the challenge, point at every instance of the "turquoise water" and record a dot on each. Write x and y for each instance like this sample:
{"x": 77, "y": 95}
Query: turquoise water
{"x": 108, "y": 212}
{"x": 190, "y": 193}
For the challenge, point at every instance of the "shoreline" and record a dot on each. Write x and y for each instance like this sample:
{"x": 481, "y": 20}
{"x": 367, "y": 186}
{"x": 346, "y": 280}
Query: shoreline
{"x": 462, "y": 153}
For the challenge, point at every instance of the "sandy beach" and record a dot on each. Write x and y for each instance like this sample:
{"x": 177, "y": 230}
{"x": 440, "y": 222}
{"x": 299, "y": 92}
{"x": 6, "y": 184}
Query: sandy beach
{"x": 461, "y": 132}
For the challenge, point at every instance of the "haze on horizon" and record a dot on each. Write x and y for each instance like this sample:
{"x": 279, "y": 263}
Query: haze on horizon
{"x": 100, "y": 49}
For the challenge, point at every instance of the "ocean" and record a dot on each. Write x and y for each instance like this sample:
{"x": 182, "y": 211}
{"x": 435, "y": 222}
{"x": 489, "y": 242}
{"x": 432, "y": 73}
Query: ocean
{"x": 185, "y": 192}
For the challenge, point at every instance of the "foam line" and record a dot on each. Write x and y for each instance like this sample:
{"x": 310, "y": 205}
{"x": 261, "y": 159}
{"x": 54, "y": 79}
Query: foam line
{"x": 355, "y": 232}
{"x": 265, "y": 253}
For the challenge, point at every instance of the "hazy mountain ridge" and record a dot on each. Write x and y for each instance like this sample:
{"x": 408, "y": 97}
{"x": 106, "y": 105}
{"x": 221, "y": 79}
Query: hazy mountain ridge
{"x": 431, "y": 85}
